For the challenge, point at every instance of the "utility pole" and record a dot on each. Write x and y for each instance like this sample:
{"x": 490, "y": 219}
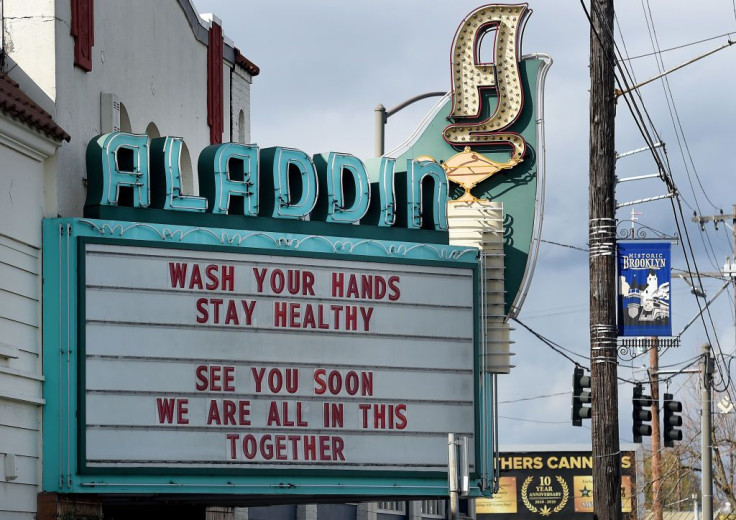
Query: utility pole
{"x": 602, "y": 265}
{"x": 656, "y": 436}
{"x": 706, "y": 436}
{"x": 729, "y": 269}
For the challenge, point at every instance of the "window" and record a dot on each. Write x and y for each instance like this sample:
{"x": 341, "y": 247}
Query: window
{"x": 433, "y": 508}
{"x": 241, "y": 127}
{"x": 393, "y": 507}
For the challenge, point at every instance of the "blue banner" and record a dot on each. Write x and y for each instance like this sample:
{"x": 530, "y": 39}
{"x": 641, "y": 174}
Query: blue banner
{"x": 644, "y": 271}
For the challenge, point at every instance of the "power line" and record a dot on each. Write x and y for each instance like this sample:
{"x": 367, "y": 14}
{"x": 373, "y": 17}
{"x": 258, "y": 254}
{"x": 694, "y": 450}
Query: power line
{"x": 638, "y": 117}
{"x": 564, "y": 245}
{"x": 533, "y": 398}
{"x": 532, "y": 420}
{"x": 682, "y": 142}
{"x": 554, "y": 346}
{"x": 664, "y": 170}
{"x": 662, "y": 51}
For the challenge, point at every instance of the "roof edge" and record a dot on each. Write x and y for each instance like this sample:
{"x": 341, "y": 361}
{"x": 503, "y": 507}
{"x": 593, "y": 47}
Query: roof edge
{"x": 250, "y": 67}
{"x": 200, "y": 30}
{"x": 17, "y": 105}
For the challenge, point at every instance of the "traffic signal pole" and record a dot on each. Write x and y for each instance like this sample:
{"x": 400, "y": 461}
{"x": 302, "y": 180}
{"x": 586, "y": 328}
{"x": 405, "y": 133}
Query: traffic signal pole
{"x": 657, "y": 511}
{"x": 706, "y": 436}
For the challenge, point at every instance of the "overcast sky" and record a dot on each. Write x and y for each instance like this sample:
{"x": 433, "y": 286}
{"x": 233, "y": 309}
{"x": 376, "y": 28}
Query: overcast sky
{"x": 325, "y": 65}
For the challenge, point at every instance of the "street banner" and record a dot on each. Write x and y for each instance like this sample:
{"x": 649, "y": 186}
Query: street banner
{"x": 644, "y": 289}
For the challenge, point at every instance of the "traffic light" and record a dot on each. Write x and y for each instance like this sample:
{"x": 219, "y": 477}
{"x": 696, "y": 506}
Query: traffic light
{"x": 641, "y": 414}
{"x": 671, "y": 420}
{"x": 580, "y": 397}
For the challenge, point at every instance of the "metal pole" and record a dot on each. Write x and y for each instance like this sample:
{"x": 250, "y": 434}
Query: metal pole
{"x": 382, "y": 116}
{"x": 464, "y": 470}
{"x": 640, "y": 177}
{"x": 657, "y": 509}
{"x": 639, "y": 150}
{"x": 733, "y": 278}
{"x": 602, "y": 266}
{"x": 695, "y": 507}
{"x": 380, "y": 128}
{"x": 452, "y": 475}
{"x": 705, "y": 437}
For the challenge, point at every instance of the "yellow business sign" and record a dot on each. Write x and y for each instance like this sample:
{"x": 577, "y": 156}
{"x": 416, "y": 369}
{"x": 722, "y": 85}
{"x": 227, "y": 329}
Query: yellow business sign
{"x": 553, "y": 485}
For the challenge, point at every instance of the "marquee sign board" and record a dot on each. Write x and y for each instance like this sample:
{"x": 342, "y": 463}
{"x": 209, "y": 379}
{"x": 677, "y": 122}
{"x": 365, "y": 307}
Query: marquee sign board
{"x": 222, "y": 360}
{"x": 203, "y": 359}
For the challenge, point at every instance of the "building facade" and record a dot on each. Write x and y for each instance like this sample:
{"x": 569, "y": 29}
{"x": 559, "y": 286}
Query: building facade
{"x": 71, "y": 70}
{"x": 76, "y": 69}
{"x": 29, "y": 140}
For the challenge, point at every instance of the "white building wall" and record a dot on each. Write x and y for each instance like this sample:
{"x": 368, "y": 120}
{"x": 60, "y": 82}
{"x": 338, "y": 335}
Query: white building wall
{"x": 30, "y": 33}
{"x": 240, "y": 101}
{"x": 23, "y": 164}
{"x": 145, "y": 53}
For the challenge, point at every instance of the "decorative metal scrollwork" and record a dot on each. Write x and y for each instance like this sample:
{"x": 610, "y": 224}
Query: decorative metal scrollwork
{"x": 635, "y": 230}
{"x": 634, "y": 347}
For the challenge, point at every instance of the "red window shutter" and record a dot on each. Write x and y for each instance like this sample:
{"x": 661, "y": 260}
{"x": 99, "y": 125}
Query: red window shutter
{"x": 214, "y": 84}
{"x": 83, "y": 31}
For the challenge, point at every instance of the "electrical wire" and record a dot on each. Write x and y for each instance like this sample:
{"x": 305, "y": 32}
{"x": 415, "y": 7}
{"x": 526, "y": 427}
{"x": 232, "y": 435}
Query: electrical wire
{"x": 662, "y": 51}
{"x": 564, "y": 245}
{"x": 689, "y": 362}
{"x": 682, "y": 142}
{"x": 555, "y": 346}
{"x": 533, "y": 398}
{"x": 641, "y": 124}
{"x": 532, "y": 420}
{"x": 665, "y": 176}
{"x": 671, "y": 105}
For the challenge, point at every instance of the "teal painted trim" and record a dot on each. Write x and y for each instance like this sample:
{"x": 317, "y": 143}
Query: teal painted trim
{"x": 81, "y": 378}
{"x": 259, "y": 486}
{"x": 481, "y": 427}
{"x": 51, "y": 286}
{"x": 59, "y": 354}
{"x": 274, "y": 225}
{"x": 249, "y": 239}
